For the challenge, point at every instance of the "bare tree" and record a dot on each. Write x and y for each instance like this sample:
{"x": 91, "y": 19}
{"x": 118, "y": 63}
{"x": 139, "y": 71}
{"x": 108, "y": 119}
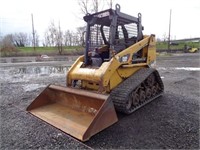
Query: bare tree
{"x": 165, "y": 37}
{"x": 96, "y": 4}
{"x": 83, "y": 6}
{"x": 7, "y": 45}
{"x": 110, "y": 3}
{"x": 47, "y": 39}
{"x": 81, "y": 34}
{"x": 7, "y": 40}
{"x": 71, "y": 38}
{"x": 20, "y": 39}
{"x": 68, "y": 38}
{"x": 90, "y": 6}
{"x": 54, "y": 36}
{"x": 30, "y": 41}
{"x": 51, "y": 34}
{"x": 36, "y": 39}
{"x": 93, "y": 6}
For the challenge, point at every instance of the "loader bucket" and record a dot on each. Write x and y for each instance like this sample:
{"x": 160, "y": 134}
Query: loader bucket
{"x": 79, "y": 113}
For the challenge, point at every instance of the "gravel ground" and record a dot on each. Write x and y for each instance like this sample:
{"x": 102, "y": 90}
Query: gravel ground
{"x": 169, "y": 122}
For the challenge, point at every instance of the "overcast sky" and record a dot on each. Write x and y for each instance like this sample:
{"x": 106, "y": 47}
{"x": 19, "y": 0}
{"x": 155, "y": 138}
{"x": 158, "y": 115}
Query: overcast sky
{"x": 15, "y": 15}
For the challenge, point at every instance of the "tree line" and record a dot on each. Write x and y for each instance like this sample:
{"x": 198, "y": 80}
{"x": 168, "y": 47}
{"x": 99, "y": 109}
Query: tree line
{"x": 20, "y": 39}
{"x": 54, "y": 36}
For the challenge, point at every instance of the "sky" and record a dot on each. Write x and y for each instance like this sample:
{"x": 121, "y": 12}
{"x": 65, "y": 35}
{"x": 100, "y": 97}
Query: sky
{"x": 15, "y": 16}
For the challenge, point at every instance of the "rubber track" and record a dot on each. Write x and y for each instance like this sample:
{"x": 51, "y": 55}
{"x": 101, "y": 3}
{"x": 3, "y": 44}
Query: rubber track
{"x": 120, "y": 94}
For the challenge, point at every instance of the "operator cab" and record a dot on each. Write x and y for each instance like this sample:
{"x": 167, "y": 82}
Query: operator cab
{"x": 108, "y": 32}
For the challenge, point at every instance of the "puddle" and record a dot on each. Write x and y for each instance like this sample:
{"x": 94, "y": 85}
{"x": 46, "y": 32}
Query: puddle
{"x": 25, "y": 74}
{"x": 43, "y": 70}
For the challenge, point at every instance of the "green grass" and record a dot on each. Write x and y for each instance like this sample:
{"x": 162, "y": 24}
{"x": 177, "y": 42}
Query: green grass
{"x": 164, "y": 45}
{"x": 67, "y": 50}
{"x": 47, "y": 49}
{"x": 78, "y": 50}
{"x": 29, "y": 51}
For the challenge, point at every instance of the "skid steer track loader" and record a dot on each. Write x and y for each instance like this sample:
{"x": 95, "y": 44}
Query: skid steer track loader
{"x": 114, "y": 74}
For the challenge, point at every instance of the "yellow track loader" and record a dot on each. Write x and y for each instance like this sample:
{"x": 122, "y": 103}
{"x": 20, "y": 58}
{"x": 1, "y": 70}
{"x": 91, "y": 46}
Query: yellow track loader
{"x": 188, "y": 49}
{"x": 114, "y": 74}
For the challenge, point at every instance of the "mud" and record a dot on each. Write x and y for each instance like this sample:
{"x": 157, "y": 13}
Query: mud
{"x": 170, "y": 121}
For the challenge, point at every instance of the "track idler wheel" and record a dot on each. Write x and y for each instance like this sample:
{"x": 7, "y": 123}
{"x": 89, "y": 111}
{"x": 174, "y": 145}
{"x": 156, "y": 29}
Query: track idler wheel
{"x": 150, "y": 80}
{"x": 142, "y": 95}
{"x": 135, "y": 98}
{"x": 157, "y": 87}
{"x": 148, "y": 92}
{"x": 129, "y": 103}
{"x": 154, "y": 90}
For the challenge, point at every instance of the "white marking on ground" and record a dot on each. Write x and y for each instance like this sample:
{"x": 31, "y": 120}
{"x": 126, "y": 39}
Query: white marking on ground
{"x": 32, "y": 87}
{"x": 188, "y": 68}
{"x": 180, "y": 68}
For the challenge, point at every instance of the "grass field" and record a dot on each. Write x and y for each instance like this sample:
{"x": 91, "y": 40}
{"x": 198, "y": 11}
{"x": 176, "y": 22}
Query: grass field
{"x": 78, "y": 50}
{"x": 180, "y": 45}
{"x": 30, "y": 51}
{"x": 66, "y": 49}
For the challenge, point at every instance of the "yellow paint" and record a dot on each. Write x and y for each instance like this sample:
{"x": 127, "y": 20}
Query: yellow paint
{"x": 193, "y": 50}
{"x": 113, "y": 72}
{"x": 114, "y": 81}
{"x": 125, "y": 72}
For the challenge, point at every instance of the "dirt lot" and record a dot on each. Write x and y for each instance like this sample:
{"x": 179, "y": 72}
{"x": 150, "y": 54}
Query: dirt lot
{"x": 170, "y": 121}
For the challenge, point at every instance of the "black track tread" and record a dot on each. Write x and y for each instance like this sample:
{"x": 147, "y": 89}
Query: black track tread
{"x": 120, "y": 94}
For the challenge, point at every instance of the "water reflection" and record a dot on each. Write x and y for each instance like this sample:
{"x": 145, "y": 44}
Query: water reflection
{"x": 43, "y": 70}
{"x": 28, "y": 73}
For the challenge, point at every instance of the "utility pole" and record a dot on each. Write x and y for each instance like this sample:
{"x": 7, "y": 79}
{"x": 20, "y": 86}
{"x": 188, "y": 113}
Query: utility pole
{"x": 33, "y": 32}
{"x": 169, "y": 29}
{"x": 59, "y": 40}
